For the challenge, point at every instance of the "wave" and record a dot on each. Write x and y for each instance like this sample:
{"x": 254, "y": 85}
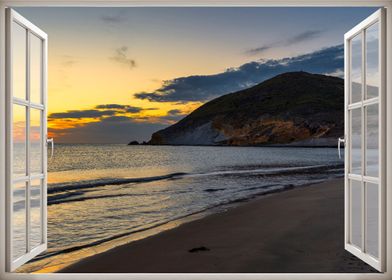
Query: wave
{"x": 64, "y": 187}
{"x": 55, "y": 188}
{"x": 55, "y": 200}
{"x": 269, "y": 171}
{"x": 267, "y": 189}
{"x": 74, "y": 192}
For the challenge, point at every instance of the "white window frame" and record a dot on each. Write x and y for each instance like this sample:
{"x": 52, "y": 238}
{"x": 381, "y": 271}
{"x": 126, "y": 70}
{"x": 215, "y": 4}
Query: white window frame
{"x": 205, "y": 3}
{"x": 377, "y": 17}
{"x": 14, "y": 17}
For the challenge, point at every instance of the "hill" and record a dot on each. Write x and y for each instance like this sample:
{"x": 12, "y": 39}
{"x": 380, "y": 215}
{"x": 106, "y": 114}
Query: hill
{"x": 295, "y": 108}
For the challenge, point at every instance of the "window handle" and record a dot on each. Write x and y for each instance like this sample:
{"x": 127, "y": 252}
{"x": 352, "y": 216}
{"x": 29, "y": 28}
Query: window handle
{"x": 51, "y": 142}
{"x": 340, "y": 141}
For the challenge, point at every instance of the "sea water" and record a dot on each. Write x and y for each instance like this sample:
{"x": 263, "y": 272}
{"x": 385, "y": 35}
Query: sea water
{"x": 100, "y": 192}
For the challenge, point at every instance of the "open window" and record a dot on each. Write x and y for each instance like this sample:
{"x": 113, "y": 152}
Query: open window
{"x": 365, "y": 140}
{"x": 26, "y": 138}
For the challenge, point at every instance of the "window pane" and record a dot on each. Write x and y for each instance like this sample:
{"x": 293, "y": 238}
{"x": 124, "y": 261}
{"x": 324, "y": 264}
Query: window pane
{"x": 372, "y": 61}
{"x": 356, "y": 142}
{"x": 19, "y": 61}
{"x": 19, "y": 140}
{"x": 356, "y": 213}
{"x": 356, "y": 68}
{"x": 19, "y": 220}
{"x": 372, "y": 219}
{"x": 35, "y": 141}
{"x": 35, "y": 214}
{"x": 35, "y": 69}
{"x": 372, "y": 132}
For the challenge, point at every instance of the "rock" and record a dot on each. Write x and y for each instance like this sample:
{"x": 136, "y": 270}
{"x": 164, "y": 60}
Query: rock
{"x": 133, "y": 143}
{"x": 198, "y": 249}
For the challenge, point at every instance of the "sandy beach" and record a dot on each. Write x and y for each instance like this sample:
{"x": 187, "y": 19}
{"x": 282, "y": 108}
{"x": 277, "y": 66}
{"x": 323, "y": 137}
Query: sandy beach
{"x": 300, "y": 230}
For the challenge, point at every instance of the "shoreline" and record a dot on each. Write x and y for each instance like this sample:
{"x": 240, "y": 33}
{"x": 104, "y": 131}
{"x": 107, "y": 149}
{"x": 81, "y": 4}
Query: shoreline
{"x": 301, "y": 228}
{"x": 56, "y": 261}
{"x": 239, "y": 146}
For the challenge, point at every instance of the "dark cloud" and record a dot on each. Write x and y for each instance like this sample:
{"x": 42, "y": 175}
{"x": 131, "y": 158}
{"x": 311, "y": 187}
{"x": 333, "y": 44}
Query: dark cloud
{"x": 117, "y": 119}
{"x": 114, "y": 18}
{"x": 121, "y": 56}
{"x": 111, "y": 106}
{"x": 110, "y": 110}
{"x": 80, "y": 114}
{"x": 108, "y": 132}
{"x": 174, "y": 112}
{"x": 203, "y": 88}
{"x": 131, "y": 109}
{"x": 120, "y": 107}
{"x": 304, "y": 36}
{"x": 173, "y": 115}
{"x": 260, "y": 49}
{"x": 301, "y": 37}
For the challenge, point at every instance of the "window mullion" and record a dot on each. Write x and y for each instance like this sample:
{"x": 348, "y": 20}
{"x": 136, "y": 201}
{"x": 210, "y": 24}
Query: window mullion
{"x": 363, "y": 140}
{"x": 28, "y": 202}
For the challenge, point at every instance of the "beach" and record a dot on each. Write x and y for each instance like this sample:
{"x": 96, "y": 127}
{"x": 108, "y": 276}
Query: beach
{"x": 298, "y": 230}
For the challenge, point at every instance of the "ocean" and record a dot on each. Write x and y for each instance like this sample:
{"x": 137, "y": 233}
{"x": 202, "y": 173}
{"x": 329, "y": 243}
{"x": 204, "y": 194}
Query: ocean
{"x": 97, "y": 193}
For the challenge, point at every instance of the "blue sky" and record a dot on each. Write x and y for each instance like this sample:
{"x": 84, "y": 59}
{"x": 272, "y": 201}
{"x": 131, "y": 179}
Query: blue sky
{"x": 159, "y": 64}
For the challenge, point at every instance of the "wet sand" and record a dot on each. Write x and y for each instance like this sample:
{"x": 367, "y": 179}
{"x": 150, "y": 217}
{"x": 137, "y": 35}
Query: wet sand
{"x": 299, "y": 230}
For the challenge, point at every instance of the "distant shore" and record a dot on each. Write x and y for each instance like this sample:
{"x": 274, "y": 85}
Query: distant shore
{"x": 299, "y": 230}
{"x": 332, "y": 145}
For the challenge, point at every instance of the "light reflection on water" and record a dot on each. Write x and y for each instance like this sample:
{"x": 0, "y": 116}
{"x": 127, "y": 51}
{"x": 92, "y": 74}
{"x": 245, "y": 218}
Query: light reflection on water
{"x": 199, "y": 178}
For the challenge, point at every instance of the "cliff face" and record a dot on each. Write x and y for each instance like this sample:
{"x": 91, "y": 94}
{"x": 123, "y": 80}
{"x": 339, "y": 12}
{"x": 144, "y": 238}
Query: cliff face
{"x": 295, "y": 108}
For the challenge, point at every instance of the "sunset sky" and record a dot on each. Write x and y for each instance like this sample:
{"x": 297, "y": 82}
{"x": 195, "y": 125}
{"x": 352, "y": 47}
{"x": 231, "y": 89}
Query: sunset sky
{"x": 120, "y": 74}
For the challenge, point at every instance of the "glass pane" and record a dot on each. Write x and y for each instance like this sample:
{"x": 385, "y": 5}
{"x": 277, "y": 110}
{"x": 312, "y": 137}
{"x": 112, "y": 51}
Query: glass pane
{"x": 356, "y": 68}
{"x": 356, "y": 213}
{"x": 19, "y": 61}
{"x": 372, "y": 61}
{"x": 372, "y": 219}
{"x": 35, "y": 68}
{"x": 19, "y": 220}
{"x": 372, "y": 132}
{"x": 35, "y": 214}
{"x": 356, "y": 142}
{"x": 35, "y": 141}
{"x": 19, "y": 140}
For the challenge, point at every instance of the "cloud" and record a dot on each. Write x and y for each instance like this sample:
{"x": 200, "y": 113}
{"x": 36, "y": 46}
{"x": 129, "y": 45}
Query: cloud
{"x": 338, "y": 73}
{"x": 111, "y": 106}
{"x": 124, "y": 108}
{"x": 304, "y": 36}
{"x": 109, "y": 131}
{"x": 121, "y": 56}
{"x": 113, "y": 123}
{"x": 101, "y": 111}
{"x": 134, "y": 110}
{"x": 206, "y": 87}
{"x": 174, "y": 112}
{"x": 260, "y": 49}
{"x": 114, "y": 18}
{"x": 301, "y": 37}
{"x": 68, "y": 61}
{"x": 117, "y": 119}
{"x": 80, "y": 114}
{"x": 174, "y": 115}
